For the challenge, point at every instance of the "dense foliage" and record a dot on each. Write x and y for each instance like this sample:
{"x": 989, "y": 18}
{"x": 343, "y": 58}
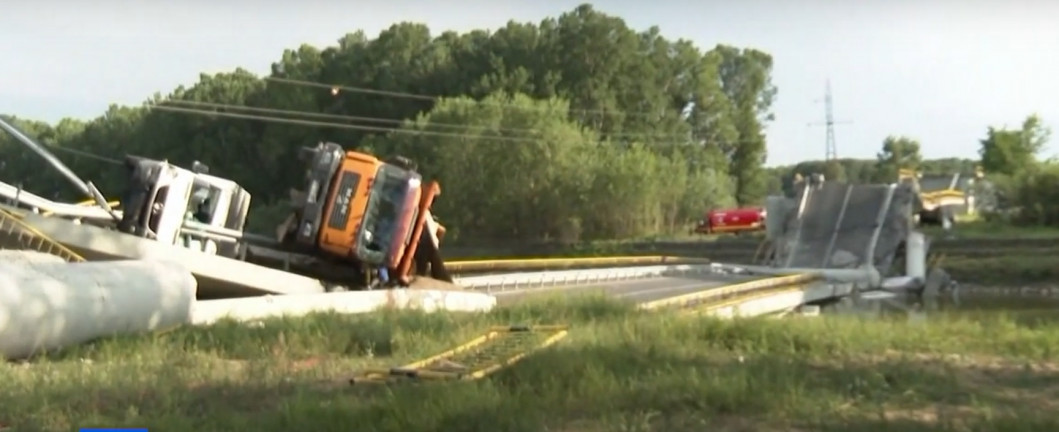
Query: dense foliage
{"x": 578, "y": 127}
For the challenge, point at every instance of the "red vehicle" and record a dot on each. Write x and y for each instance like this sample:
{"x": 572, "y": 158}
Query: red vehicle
{"x": 738, "y": 220}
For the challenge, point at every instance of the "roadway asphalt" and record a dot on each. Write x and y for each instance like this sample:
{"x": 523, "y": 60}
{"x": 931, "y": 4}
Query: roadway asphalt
{"x": 639, "y": 290}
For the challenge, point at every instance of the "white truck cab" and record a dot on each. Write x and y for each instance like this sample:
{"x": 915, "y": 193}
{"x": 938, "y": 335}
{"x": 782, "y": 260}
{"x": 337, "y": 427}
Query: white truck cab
{"x": 183, "y": 207}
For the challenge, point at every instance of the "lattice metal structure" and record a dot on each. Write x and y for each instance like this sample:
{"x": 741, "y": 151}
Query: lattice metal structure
{"x": 843, "y": 226}
{"x": 831, "y": 147}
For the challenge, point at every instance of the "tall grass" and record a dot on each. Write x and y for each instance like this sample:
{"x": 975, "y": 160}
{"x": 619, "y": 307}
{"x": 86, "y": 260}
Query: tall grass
{"x": 620, "y": 370}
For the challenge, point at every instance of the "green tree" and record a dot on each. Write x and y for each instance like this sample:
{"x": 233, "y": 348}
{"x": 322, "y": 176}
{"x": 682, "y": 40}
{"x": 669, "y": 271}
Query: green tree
{"x": 565, "y": 184}
{"x": 746, "y": 79}
{"x": 898, "y": 152}
{"x": 835, "y": 171}
{"x": 1007, "y": 152}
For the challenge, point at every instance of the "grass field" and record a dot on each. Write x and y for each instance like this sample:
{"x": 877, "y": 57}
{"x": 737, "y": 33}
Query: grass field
{"x": 619, "y": 370}
{"x": 994, "y": 230}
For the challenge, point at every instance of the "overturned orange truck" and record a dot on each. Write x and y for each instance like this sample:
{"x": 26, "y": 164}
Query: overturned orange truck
{"x": 360, "y": 211}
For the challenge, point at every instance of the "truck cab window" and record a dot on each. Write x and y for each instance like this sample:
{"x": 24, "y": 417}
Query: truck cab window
{"x": 202, "y": 203}
{"x": 389, "y": 196}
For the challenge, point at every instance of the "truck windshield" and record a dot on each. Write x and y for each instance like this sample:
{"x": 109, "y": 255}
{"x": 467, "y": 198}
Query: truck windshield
{"x": 390, "y": 198}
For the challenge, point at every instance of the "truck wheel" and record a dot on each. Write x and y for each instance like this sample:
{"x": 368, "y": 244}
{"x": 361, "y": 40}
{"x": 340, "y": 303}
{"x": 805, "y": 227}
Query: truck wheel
{"x": 403, "y": 162}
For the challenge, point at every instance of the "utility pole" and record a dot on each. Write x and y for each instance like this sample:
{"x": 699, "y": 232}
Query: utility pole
{"x": 830, "y": 150}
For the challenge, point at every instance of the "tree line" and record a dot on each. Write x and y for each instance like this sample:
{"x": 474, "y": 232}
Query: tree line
{"x": 574, "y": 128}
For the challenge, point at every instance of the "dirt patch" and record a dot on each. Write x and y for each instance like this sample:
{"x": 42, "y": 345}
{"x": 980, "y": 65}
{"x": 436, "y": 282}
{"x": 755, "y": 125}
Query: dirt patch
{"x": 1001, "y": 383}
{"x": 682, "y": 422}
{"x": 972, "y": 361}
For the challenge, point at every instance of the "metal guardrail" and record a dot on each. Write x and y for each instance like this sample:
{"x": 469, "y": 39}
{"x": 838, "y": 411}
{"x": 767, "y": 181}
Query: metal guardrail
{"x": 530, "y": 280}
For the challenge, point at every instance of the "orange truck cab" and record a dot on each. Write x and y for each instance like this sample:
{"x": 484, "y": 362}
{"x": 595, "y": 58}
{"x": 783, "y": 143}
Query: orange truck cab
{"x": 732, "y": 221}
{"x": 365, "y": 211}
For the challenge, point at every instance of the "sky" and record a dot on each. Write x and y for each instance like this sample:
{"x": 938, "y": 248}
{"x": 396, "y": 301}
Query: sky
{"x": 939, "y": 71}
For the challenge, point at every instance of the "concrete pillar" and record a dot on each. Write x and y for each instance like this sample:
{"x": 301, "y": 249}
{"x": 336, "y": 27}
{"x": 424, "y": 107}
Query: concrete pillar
{"x": 916, "y": 256}
{"x": 45, "y": 304}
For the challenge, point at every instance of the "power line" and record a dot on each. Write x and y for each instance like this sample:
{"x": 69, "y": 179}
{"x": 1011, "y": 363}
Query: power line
{"x": 336, "y": 125}
{"x": 338, "y": 88}
{"x": 85, "y": 154}
{"x": 378, "y": 120}
{"x": 311, "y": 123}
{"x": 324, "y": 124}
{"x": 78, "y": 152}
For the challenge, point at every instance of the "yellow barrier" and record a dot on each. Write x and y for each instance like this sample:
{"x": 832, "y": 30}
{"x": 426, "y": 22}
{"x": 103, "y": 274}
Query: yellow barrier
{"x": 711, "y": 296}
{"x": 27, "y": 237}
{"x": 88, "y": 203}
{"x": 738, "y": 299}
{"x": 497, "y": 348}
{"x": 944, "y": 193}
{"x": 559, "y": 263}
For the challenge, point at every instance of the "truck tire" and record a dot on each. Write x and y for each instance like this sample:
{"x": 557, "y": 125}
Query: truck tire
{"x": 403, "y": 162}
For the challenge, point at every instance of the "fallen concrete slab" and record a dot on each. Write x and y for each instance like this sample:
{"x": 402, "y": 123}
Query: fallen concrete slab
{"x": 256, "y": 308}
{"x": 47, "y": 304}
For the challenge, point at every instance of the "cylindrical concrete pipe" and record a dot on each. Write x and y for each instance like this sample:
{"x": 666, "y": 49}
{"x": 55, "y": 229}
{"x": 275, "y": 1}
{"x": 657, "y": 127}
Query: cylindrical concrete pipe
{"x": 48, "y": 305}
{"x": 916, "y": 256}
{"x": 8, "y": 256}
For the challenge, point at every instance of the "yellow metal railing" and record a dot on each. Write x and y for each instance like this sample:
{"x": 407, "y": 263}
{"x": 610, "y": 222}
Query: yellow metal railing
{"x": 497, "y": 348}
{"x": 20, "y": 235}
{"x": 89, "y": 203}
